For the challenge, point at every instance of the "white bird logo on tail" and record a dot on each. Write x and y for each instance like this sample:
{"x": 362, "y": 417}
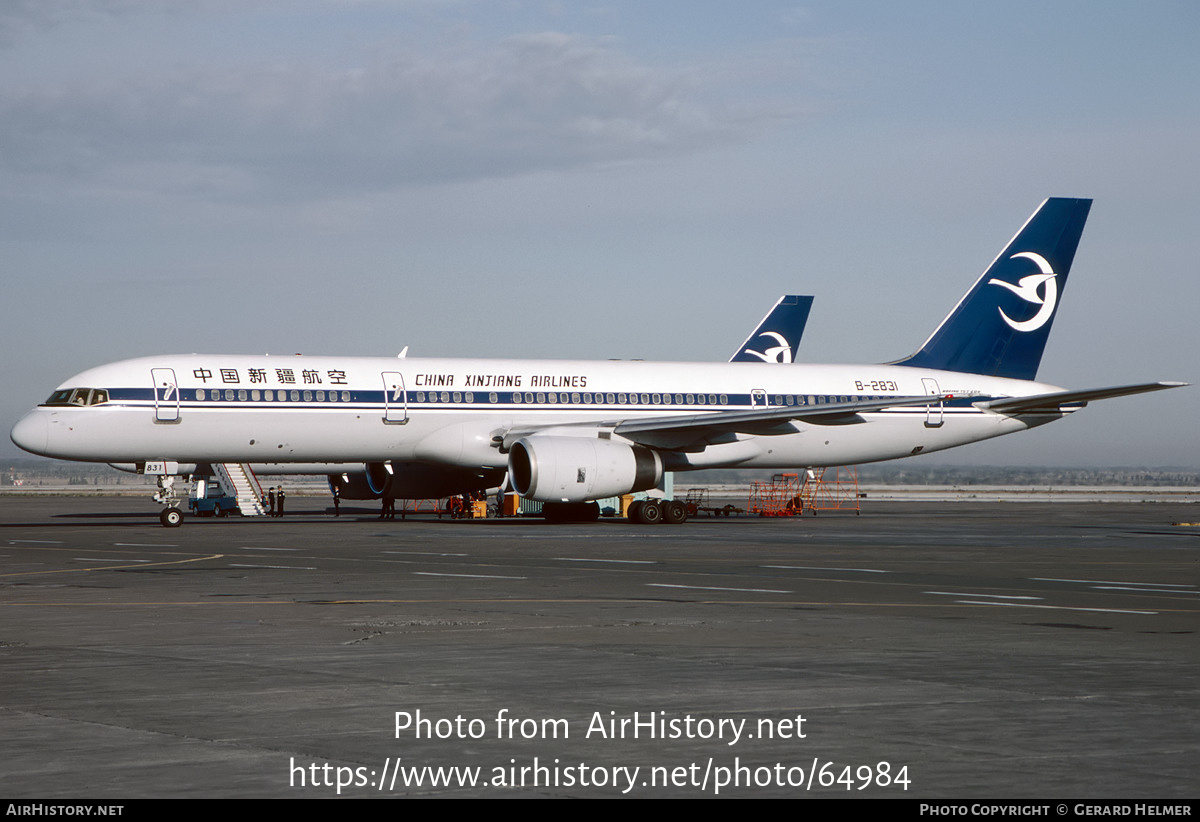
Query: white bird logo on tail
{"x": 778, "y": 353}
{"x": 1027, "y": 289}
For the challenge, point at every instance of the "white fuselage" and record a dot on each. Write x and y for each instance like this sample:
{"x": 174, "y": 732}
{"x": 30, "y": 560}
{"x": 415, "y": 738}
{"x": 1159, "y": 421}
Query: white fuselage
{"x": 270, "y": 409}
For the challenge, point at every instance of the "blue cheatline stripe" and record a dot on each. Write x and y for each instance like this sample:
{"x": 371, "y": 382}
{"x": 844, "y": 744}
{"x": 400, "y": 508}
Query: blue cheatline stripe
{"x": 377, "y": 400}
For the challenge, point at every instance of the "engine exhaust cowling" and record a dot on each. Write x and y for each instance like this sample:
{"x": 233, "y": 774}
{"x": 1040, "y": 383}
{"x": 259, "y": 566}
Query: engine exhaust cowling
{"x": 578, "y": 469}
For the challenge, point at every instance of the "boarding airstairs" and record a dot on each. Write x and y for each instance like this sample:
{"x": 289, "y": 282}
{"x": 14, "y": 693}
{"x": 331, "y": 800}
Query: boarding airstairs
{"x": 237, "y": 480}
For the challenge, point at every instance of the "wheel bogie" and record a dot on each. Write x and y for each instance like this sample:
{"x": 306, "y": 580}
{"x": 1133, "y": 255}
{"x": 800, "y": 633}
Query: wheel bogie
{"x": 653, "y": 511}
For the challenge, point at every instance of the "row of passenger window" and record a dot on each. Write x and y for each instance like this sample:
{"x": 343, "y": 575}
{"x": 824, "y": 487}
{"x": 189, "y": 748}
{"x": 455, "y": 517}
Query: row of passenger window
{"x": 587, "y": 398}
{"x": 269, "y": 395}
{"x": 577, "y": 398}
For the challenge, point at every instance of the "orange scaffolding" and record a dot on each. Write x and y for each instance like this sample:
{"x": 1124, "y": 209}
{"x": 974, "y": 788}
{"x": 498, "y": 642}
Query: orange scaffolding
{"x": 781, "y": 497}
{"x": 831, "y": 489}
{"x": 415, "y": 506}
{"x": 822, "y": 489}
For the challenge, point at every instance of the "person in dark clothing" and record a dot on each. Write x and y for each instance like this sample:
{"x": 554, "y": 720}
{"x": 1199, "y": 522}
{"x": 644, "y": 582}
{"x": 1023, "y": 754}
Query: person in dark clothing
{"x": 279, "y": 502}
{"x": 271, "y": 501}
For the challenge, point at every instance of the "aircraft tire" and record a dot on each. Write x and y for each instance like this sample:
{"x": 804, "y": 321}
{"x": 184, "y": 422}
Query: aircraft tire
{"x": 634, "y": 512}
{"x": 674, "y": 512}
{"x": 651, "y": 512}
{"x": 171, "y": 517}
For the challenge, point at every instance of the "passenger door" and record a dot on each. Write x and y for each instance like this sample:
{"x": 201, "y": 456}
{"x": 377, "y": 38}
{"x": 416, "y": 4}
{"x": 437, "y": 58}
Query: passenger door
{"x": 933, "y": 413}
{"x": 395, "y": 403}
{"x": 166, "y": 395}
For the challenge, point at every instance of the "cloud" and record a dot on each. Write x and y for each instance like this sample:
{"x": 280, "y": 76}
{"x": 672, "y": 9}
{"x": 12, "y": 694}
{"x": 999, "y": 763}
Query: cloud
{"x": 23, "y": 18}
{"x": 524, "y": 104}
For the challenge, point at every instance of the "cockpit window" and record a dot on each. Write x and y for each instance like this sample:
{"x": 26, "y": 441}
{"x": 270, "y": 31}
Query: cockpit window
{"x": 78, "y": 397}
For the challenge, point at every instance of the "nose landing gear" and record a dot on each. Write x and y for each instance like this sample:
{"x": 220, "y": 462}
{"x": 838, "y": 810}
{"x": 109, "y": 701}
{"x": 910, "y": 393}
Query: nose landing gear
{"x": 172, "y": 515}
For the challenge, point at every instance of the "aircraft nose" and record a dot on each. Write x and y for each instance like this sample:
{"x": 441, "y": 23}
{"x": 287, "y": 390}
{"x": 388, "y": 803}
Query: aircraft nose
{"x": 31, "y": 433}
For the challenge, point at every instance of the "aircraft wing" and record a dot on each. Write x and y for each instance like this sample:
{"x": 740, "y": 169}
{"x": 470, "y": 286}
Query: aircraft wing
{"x": 691, "y": 430}
{"x": 830, "y": 414}
{"x": 1053, "y": 402}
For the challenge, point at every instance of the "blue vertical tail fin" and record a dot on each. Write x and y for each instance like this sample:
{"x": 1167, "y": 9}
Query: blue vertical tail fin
{"x": 778, "y": 335}
{"x": 1000, "y": 327}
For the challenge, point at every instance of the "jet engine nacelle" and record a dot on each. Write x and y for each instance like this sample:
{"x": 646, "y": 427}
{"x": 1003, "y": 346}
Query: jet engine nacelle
{"x": 369, "y": 483}
{"x": 578, "y": 469}
{"x": 408, "y": 480}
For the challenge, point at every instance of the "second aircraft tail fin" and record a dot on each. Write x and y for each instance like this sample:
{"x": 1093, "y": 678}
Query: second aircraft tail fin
{"x": 778, "y": 335}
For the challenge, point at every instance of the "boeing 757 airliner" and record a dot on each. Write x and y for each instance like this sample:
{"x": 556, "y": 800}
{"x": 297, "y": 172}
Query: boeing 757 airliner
{"x": 567, "y": 432}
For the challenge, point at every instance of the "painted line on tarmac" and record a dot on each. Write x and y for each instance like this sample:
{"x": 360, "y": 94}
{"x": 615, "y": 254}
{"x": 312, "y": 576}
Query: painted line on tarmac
{"x": 991, "y": 596}
{"x": 114, "y": 567}
{"x": 821, "y": 568}
{"x": 714, "y": 588}
{"x": 1056, "y": 607}
{"x": 619, "y": 561}
{"x": 465, "y": 576}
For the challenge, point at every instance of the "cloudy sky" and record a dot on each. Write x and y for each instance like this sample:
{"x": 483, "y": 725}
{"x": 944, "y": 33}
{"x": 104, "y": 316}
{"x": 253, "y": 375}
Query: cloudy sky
{"x": 596, "y": 180}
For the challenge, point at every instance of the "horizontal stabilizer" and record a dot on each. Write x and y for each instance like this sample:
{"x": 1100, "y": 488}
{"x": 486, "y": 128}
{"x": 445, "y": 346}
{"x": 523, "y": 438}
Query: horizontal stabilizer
{"x": 1052, "y": 402}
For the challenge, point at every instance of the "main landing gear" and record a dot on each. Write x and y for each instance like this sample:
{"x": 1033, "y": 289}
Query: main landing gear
{"x": 643, "y": 511}
{"x": 654, "y": 511}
